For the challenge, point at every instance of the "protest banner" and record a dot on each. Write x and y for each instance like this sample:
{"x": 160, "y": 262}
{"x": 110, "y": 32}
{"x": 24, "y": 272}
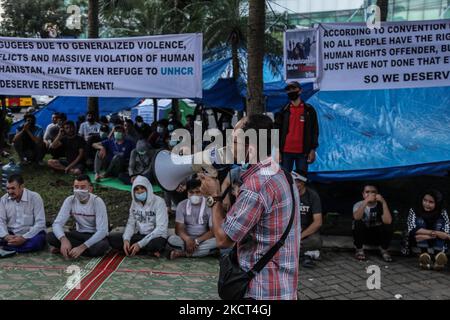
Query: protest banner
{"x": 166, "y": 66}
{"x": 397, "y": 55}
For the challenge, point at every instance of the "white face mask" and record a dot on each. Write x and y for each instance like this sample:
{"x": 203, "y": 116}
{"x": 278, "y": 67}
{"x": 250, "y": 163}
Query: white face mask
{"x": 195, "y": 199}
{"x": 81, "y": 195}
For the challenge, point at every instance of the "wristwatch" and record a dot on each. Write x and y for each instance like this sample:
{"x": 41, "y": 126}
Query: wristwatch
{"x": 211, "y": 201}
{"x": 197, "y": 243}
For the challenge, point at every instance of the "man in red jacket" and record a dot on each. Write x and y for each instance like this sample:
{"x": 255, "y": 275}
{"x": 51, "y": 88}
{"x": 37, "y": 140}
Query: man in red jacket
{"x": 299, "y": 131}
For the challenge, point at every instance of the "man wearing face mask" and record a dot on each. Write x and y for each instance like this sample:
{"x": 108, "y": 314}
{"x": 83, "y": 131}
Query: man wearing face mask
{"x": 146, "y": 230}
{"x": 140, "y": 163}
{"x": 74, "y": 150}
{"x": 113, "y": 154}
{"x": 28, "y": 141}
{"x": 89, "y": 211}
{"x": 22, "y": 218}
{"x": 142, "y": 128}
{"x": 157, "y": 138}
{"x": 90, "y": 127}
{"x": 299, "y": 136}
{"x": 193, "y": 225}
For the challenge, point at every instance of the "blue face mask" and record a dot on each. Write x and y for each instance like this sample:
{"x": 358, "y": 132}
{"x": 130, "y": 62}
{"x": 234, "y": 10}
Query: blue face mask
{"x": 141, "y": 196}
{"x": 173, "y": 143}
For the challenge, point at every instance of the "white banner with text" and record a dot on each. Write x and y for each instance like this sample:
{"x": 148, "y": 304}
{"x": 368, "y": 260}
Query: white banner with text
{"x": 397, "y": 55}
{"x": 166, "y": 66}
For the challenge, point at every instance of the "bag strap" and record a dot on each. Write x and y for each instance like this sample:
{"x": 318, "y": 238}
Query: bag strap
{"x": 269, "y": 254}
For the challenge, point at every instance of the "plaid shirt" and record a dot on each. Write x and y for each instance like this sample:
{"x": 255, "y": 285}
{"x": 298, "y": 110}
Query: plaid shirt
{"x": 256, "y": 222}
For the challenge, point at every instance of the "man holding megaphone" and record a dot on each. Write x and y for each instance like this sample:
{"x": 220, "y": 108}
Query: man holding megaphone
{"x": 262, "y": 226}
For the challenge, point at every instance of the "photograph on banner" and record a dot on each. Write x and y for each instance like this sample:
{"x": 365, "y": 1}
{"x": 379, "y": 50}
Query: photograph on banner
{"x": 300, "y": 55}
{"x": 165, "y": 66}
{"x": 407, "y": 54}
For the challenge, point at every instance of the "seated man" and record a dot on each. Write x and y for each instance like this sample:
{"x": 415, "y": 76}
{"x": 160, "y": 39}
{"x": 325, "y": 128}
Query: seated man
{"x": 22, "y": 218}
{"x": 52, "y": 130}
{"x": 146, "y": 229}
{"x": 74, "y": 149}
{"x": 193, "y": 226}
{"x": 28, "y": 141}
{"x": 91, "y": 218}
{"x": 113, "y": 154}
{"x": 372, "y": 221}
{"x": 142, "y": 128}
{"x": 140, "y": 163}
{"x": 90, "y": 127}
{"x": 311, "y": 219}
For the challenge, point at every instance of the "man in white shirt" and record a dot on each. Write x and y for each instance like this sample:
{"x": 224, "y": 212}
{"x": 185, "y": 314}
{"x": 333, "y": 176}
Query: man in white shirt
{"x": 22, "y": 218}
{"x": 89, "y": 212}
{"x": 90, "y": 127}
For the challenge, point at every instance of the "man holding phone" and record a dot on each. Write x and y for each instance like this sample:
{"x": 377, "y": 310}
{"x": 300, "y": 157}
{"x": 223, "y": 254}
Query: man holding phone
{"x": 28, "y": 141}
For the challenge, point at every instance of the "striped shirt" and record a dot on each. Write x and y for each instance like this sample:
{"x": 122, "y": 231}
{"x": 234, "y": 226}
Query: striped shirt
{"x": 256, "y": 222}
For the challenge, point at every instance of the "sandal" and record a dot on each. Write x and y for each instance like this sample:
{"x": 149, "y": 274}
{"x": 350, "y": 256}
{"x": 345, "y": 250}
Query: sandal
{"x": 386, "y": 256}
{"x": 425, "y": 261}
{"x": 359, "y": 255}
{"x": 440, "y": 260}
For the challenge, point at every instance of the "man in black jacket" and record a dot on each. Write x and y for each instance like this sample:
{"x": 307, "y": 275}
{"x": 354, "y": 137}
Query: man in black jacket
{"x": 299, "y": 131}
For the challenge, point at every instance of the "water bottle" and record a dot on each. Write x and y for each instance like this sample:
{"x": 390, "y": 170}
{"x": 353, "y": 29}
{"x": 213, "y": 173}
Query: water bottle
{"x": 8, "y": 170}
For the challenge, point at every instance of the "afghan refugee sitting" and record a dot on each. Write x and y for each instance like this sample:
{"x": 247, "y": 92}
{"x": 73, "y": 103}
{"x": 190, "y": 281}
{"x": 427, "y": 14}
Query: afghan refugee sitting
{"x": 73, "y": 150}
{"x": 113, "y": 154}
{"x": 158, "y": 138}
{"x": 52, "y": 130}
{"x": 90, "y": 150}
{"x": 142, "y": 128}
{"x": 372, "y": 221}
{"x": 146, "y": 229}
{"x": 193, "y": 226}
{"x": 90, "y": 127}
{"x": 140, "y": 163}
{"x": 130, "y": 131}
{"x": 22, "y": 218}
{"x": 311, "y": 220}
{"x": 89, "y": 211}
{"x": 428, "y": 223}
{"x": 28, "y": 141}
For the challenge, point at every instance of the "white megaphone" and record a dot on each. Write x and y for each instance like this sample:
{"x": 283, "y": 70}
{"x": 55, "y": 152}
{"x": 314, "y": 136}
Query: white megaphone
{"x": 170, "y": 169}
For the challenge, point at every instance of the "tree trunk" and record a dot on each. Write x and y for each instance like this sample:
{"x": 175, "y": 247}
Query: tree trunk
{"x": 155, "y": 109}
{"x": 93, "y": 32}
{"x": 384, "y": 5}
{"x": 176, "y": 109}
{"x": 256, "y": 26}
{"x": 235, "y": 57}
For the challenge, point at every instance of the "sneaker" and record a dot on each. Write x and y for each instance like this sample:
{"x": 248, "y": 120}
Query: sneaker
{"x": 425, "y": 261}
{"x": 385, "y": 255}
{"x": 6, "y": 253}
{"x": 440, "y": 260}
{"x": 306, "y": 262}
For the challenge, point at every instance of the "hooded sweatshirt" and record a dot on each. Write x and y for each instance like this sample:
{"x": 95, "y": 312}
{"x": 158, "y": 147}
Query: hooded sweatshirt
{"x": 149, "y": 219}
{"x": 140, "y": 164}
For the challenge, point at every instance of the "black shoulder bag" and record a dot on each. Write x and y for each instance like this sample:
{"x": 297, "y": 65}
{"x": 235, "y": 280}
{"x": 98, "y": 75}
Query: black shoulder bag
{"x": 233, "y": 281}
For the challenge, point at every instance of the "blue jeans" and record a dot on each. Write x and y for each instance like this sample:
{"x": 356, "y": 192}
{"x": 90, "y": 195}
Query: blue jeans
{"x": 300, "y": 160}
{"x": 436, "y": 244}
{"x": 36, "y": 243}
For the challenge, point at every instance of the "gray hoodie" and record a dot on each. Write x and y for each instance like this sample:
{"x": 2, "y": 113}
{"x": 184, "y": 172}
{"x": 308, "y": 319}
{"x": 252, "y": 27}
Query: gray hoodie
{"x": 150, "y": 219}
{"x": 140, "y": 164}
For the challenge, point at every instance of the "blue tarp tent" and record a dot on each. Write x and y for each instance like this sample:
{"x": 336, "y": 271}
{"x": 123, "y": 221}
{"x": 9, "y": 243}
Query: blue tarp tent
{"x": 75, "y": 106}
{"x": 382, "y": 134}
{"x": 377, "y": 134}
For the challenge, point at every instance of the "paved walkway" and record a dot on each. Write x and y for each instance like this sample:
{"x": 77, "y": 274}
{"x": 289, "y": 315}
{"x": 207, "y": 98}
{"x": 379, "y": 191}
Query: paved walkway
{"x": 339, "y": 276}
